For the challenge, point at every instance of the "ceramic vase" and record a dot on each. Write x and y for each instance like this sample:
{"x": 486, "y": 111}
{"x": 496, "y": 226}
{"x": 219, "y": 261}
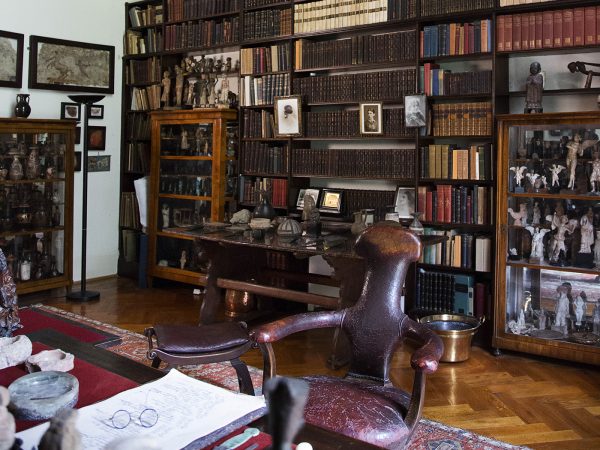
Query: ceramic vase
{"x": 16, "y": 169}
{"x": 22, "y": 108}
{"x": 32, "y": 168}
{"x": 359, "y": 224}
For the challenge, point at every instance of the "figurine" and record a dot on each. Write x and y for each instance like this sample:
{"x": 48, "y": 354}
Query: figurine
{"x": 228, "y": 64}
{"x": 534, "y": 87}
{"x": 532, "y": 177}
{"x": 62, "y": 432}
{"x": 182, "y": 259}
{"x": 166, "y": 84}
{"x": 200, "y": 135}
{"x": 544, "y": 181}
{"x": 165, "y": 215}
{"x": 563, "y": 226}
{"x": 521, "y": 216}
{"x": 7, "y": 421}
{"x": 562, "y": 306}
{"x": 185, "y": 145}
{"x": 537, "y": 242}
{"x": 587, "y": 232}
{"x": 541, "y": 315}
{"x": 596, "y": 318}
{"x": 575, "y": 148}
{"x": 597, "y": 249}
{"x": 311, "y": 216}
{"x": 537, "y": 214}
{"x": 519, "y": 174}
{"x": 556, "y": 170}
{"x": 595, "y": 175}
{"x": 579, "y": 307}
{"x": 178, "y": 85}
{"x": 9, "y": 308}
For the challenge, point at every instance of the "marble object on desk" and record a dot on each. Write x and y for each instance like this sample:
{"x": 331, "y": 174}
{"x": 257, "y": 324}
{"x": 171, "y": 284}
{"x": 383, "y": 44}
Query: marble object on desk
{"x": 14, "y": 350}
{"x": 242, "y": 216}
{"x": 7, "y": 421}
{"x": 62, "y": 432}
{"x": 41, "y": 395}
{"x": 47, "y": 360}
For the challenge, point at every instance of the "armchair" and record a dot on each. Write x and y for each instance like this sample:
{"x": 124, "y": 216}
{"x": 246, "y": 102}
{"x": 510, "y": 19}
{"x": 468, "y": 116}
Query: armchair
{"x": 364, "y": 404}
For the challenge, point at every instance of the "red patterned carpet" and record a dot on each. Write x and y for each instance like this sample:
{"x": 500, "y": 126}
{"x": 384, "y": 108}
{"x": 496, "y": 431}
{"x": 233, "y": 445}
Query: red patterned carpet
{"x": 429, "y": 435}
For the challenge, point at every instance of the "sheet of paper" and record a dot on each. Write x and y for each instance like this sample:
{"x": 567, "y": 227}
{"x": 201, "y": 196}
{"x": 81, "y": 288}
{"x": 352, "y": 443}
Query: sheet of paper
{"x": 141, "y": 192}
{"x": 187, "y": 410}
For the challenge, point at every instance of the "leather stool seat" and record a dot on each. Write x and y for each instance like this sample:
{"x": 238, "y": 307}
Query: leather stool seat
{"x": 179, "y": 345}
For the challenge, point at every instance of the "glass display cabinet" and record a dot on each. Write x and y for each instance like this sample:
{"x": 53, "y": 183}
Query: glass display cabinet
{"x": 548, "y": 235}
{"x": 193, "y": 177}
{"x": 36, "y": 201}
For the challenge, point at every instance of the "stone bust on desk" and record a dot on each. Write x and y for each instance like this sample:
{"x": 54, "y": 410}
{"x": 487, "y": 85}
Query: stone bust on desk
{"x": 311, "y": 218}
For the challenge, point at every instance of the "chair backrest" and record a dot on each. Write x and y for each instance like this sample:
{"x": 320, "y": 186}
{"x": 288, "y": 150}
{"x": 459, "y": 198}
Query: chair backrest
{"x": 373, "y": 324}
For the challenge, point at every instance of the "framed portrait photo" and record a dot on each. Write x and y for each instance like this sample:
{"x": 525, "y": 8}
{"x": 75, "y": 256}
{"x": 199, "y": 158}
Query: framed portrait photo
{"x": 62, "y": 65}
{"x": 415, "y": 111}
{"x": 97, "y": 112}
{"x": 331, "y": 201}
{"x": 314, "y": 193}
{"x": 11, "y": 59}
{"x": 70, "y": 111}
{"x": 288, "y": 116}
{"x": 96, "y": 138}
{"x": 371, "y": 118}
{"x": 405, "y": 202}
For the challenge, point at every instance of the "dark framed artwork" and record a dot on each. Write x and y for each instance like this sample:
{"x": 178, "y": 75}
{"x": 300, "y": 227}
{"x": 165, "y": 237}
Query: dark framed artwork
{"x": 70, "y": 111}
{"x": 288, "y": 116}
{"x": 96, "y": 112}
{"x": 77, "y": 135}
{"x": 371, "y": 118}
{"x": 96, "y": 138}
{"x": 61, "y": 65}
{"x": 314, "y": 193}
{"x": 77, "y": 165}
{"x": 11, "y": 59}
{"x": 331, "y": 201}
{"x": 98, "y": 163}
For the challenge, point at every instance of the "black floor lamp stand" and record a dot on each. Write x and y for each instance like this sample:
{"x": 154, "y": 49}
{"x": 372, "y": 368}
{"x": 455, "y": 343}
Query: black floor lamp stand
{"x": 83, "y": 295}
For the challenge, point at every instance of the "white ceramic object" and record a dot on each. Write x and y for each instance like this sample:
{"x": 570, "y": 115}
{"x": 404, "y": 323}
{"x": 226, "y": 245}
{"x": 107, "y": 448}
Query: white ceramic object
{"x": 14, "y": 350}
{"x": 7, "y": 421}
{"x": 50, "y": 360}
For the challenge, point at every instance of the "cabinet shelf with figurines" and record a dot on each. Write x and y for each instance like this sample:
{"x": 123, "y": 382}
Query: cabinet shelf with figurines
{"x": 548, "y": 235}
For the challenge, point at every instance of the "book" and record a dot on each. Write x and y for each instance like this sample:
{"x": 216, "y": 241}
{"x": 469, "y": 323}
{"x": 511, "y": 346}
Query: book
{"x": 464, "y": 294}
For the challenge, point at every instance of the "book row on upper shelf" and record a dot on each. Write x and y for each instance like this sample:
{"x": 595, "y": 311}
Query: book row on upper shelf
{"x": 191, "y": 9}
{"x": 143, "y": 17}
{"x": 437, "y": 81}
{"x": 455, "y": 162}
{"x": 251, "y": 188}
{"x": 460, "y": 250}
{"x": 267, "y": 23}
{"x": 205, "y": 33}
{"x": 462, "y": 119}
{"x": 259, "y": 60}
{"x": 443, "y": 203}
{"x": 261, "y": 158}
{"x": 452, "y": 39}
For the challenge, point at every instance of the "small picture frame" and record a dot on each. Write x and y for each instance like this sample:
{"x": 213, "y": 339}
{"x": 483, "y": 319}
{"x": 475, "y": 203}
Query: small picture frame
{"x": 405, "y": 202}
{"x": 99, "y": 163}
{"x": 77, "y": 165}
{"x": 70, "y": 111}
{"x": 415, "y": 111}
{"x": 371, "y": 118}
{"x": 331, "y": 201}
{"x": 96, "y": 112}
{"x": 288, "y": 116}
{"x": 77, "y": 135}
{"x": 11, "y": 45}
{"x": 96, "y": 138}
{"x": 314, "y": 193}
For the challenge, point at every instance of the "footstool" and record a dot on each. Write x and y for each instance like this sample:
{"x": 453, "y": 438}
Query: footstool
{"x": 179, "y": 345}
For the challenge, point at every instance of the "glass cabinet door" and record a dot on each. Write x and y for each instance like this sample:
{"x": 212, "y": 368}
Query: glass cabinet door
{"x": 32, "y": 204}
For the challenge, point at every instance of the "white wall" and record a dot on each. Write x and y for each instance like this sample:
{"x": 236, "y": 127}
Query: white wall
{"x": 98, "y": 22}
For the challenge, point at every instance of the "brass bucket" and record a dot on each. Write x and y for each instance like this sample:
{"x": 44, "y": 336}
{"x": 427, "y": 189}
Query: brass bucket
{"x": 456, "y": 332}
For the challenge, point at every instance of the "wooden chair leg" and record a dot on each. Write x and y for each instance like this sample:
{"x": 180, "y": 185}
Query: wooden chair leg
{"x": 243, "y": 375}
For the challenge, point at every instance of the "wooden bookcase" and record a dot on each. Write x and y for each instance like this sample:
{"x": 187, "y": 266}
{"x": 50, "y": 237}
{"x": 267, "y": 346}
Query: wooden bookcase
{"x": 189, "y": 183}
{"x": 36, "y": 232}
{"x": 546, "y": 294}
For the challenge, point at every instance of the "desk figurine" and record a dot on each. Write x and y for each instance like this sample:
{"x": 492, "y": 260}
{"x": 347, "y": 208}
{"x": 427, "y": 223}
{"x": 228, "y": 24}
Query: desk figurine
{"x": 519, "y": 175}
{"x": 7, "y": 421}
{"x": 311, "y": 217}
{"x": 520, "y": 217}
{"x": 286, "y": 398}
{"x": 62, "y": 433}
{"x": 534, "y": 88}
{"x": 9, "y": 308}
{"x": 537, "y": 243}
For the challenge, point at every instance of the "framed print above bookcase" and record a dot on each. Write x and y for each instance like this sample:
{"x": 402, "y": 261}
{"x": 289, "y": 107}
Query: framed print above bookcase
{"x": 11, "y": 55}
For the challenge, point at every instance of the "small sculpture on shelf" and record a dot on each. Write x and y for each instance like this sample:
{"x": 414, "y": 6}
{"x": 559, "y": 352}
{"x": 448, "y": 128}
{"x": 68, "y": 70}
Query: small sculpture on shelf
{"x": 561, "y": 310}
{"x": 597, "y": 250}
{"x": 178, "y": 85}
{"x": 596, "y": 318}
{"x": 575, "y": 147}
{"x": 534, "y": 88}
{"x": 184, "y": 144}
{"x": 585, "y": 258}
{"x": 165, "y": 211}
{"x": 562, "y": 225}
{"x": 166, "y": 88}
{"x": 537, "y": 243}
{"x": 532, "y": 178}
{"x": 537, "y": 214}
{"x": 541, "y": 315}
{"x": 579, "y": 307}
{"x": 556, "y": 169}
{"x": 519, "y": 175}
{"x": 183, "y": 259}
{"x": 520, "y": 217}
{"x": 595, "y": 175}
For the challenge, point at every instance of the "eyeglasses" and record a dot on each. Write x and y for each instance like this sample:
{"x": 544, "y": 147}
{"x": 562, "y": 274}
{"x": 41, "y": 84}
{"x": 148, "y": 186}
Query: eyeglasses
{"x": 122, "y": 418}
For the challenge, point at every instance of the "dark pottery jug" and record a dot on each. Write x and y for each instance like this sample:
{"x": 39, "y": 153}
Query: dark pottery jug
{"x": 22, "y": 108}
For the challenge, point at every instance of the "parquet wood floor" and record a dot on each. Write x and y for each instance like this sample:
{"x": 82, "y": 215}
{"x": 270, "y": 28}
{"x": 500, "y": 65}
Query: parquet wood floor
{"x": 541, "y": 403}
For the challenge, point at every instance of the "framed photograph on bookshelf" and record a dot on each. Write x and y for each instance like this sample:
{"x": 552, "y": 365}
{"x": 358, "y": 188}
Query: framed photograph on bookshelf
{"x": 61, "y": 65}
{"x": 371, "y": 118}
{"x": 415, "y": 107}
{"x": 70, "y": 111}
{"x": 314, "y": 193}
{"x": 97, "y": 112}
{"x": 288, "y": 116}
{"x": 96, "y": 138}
{"x": 11, "y": 45}
{"x": 405, "y": 202}
{"x": 331, "y": 201}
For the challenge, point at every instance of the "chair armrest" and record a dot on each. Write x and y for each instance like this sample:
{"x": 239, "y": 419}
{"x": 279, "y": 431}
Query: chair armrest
{"x": 274, "y": 331}
{"x": 427, "y": 357}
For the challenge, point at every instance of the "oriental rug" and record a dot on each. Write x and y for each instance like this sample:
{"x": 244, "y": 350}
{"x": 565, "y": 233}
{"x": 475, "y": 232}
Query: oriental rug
{"x": 430, "y": 435}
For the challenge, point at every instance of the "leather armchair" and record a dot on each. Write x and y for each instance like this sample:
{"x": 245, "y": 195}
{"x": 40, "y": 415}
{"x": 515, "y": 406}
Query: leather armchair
{"x": 364, "y": 404}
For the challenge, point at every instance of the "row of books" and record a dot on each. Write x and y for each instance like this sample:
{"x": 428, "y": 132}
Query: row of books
{"x": 262, "y": 90}
{"x": 137, "y": 127}
{"x": 462, "y": 250}
{"x": 261, "y": 158}
{"x": 548, "y": 29}
{"x": 451, "y": 39}
{"x": 342, "y": 124}
{"x": 203, "y": 33}
{"x": 445, "y": 203}
{"x": 257, "y": 60}
{"x": 191, "y": 9}
{"x": 137, "y": 157}
{"x": 357, "y": 199}
{"x": 448, "y": 162}
{"x": 139, "y": 43}
{"x": 259, "y": 3}
{"x": 372, "y": 163}
{"x": 258, "y": 124}
{"x": 438, "y": 81}
{"x": 252, "y": 187}
{"x": 143, "y": 71}
{"x": 145, "y": 99}
{"x": 267, "y": 23}
{"x": 381, "y": 85}
{"x": 129, "y": 214}
{"x": 444, "y": 292}
{"x": 440, "y": 7}
{"x": 504, "y": 3}
{"x": 332, "y": 14}
{"x": 363, "y": 49}
{"x": 142, "y": 17}
{"x": 462, "y": 119}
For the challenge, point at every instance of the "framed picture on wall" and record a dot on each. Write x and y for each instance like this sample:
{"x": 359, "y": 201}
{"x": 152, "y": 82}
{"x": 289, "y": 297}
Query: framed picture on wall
{"x": 70, "y": 111}
{"x": 288, "y": 115}
{"x": 371, "y": 118}
{"x": 96, "y": 138}
{"x": 11, "y": 59}
{"x": 97, "y": 112}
